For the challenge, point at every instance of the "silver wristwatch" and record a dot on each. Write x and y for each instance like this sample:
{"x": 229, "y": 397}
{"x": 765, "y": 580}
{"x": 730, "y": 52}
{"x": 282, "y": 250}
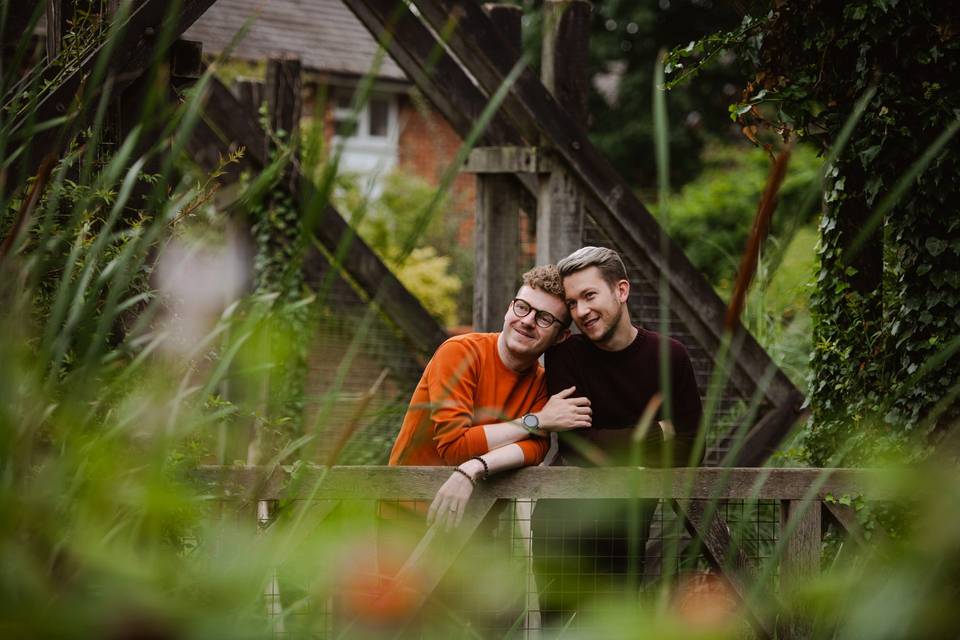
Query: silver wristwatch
{"x": 531, "y": 423}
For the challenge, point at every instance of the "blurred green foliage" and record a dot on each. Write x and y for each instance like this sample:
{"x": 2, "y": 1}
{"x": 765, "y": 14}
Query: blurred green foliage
{"x": 887, "y": 300}
{"x": 109, "y": 404}
{"x": 387, "y": 221}
{"x": 710, "y": 219}
{"x": 625, "y": 38}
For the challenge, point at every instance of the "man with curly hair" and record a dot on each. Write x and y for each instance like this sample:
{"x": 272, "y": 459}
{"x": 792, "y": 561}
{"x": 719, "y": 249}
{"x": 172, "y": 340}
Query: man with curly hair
{"x": 482, "y": 402}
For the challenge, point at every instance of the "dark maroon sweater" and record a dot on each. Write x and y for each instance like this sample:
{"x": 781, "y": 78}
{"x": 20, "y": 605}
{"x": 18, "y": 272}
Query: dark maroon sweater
{"x": 620, "y": 384}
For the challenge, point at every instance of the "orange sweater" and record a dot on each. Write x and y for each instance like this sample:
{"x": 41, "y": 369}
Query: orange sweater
{"x": 466, "y": 385}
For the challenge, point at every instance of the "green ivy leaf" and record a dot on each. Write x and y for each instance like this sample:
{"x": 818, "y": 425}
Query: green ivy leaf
{"x": 935, "y": 246}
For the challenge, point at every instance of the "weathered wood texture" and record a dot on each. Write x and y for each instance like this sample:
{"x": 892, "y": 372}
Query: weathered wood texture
{"x": 441, "y": 548}
{"x": 608, "y": 199}
{"x": 508, "y": 160}
{"x": 249, "y": 93}
{"x": 393, "y": 483}
{"x": 186, "y": 61}
{"x": 130, "y": 54}
{"x": 565, "y": 53}
{"x": 622, "y": 216}
{"x": 496, "y": 243}
{"x": 235, "y": 126}
{"x": 425, "y": 61}
{"x": 714, "y": 534}
{"x": 226, "y": 125}
{"x": 283, "y": 89}
{"x": 801, "y": 560}
{"x": 497, "y": 218}
{"x": 561, "y": 207}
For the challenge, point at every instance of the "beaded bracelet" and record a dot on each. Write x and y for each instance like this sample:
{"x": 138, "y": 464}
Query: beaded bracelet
{"x": 486, "y": 467}
{"x": 465, "y": 475}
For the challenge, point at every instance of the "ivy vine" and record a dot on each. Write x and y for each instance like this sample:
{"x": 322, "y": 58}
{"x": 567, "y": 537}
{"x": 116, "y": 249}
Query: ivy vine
{"x": 885, "y": 366}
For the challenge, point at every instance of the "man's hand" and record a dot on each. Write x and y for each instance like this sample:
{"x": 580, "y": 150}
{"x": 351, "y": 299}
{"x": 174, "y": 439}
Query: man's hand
{"x": 563, "y": 413}
{"x": 451, "y": 500}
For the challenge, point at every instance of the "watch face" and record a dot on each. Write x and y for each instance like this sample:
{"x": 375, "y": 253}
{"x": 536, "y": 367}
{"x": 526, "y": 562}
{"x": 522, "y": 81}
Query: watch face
{"x": 531, "y": 421}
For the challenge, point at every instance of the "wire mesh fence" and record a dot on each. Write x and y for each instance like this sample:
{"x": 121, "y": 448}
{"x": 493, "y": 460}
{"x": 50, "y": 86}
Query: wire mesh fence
{"x": 530, "y": 568}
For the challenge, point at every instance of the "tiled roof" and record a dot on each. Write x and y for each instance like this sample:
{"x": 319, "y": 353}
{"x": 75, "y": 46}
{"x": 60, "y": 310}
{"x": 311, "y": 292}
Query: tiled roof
{"x": 324, "y": 34}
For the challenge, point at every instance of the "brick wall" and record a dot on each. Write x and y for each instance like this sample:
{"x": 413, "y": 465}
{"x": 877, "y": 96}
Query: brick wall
{"x": 427, "y": 147}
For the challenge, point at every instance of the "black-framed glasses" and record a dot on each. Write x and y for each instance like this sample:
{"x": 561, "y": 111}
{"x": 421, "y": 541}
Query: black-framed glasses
{"x": 522, "y": 308}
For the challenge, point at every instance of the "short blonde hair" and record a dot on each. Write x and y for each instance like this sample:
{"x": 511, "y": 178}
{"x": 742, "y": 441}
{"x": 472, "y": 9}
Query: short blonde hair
{"x": 606, "y": 260}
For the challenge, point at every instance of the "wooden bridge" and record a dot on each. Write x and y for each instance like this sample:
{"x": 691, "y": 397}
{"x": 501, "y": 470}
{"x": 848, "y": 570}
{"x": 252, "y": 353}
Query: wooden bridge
{"x": 807, "y": 501}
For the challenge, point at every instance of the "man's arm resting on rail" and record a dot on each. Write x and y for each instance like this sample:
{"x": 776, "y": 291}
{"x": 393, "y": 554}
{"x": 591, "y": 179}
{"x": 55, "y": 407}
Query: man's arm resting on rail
{"x": 451, "y": 500}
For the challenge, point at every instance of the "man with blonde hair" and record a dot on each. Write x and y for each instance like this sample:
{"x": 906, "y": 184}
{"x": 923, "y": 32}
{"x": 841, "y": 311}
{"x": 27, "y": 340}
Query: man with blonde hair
{"x": 616, "y": 365}
{"x": 482, "y": 401}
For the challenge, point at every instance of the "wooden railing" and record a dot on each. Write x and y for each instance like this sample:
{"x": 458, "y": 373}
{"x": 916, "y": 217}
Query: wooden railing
{"x": 806, "y": 498}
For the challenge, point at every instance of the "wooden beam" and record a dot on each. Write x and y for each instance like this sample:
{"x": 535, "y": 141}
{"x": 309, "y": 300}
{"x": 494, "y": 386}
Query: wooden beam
{"x": 618, "y": 211}
{"x": 800, "y": 562}
{"x": 704, "y": 483}
{"x": 762, "y": 440}
{"x": 283, "y": 89}
{"x": 128, "y": 57}
{"x": 561, "y": 207}
{"x": 724, "y": 556}
{"x": 433, "y": 557}
{"x": 58, "y": 15}
{"x": 496, "y": 243}
{"x": 425, "y": 61}
{"x": 363, "y": 266}
{"x": 497, "y": 217}
{"x": 249, "y": 93}
{"x": 186, "y": 61}
{"x": 508, "y": 160}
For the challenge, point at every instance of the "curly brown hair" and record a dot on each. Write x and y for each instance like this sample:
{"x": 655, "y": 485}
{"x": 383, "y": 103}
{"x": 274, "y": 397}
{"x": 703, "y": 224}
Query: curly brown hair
{"x": 546, "y": 278}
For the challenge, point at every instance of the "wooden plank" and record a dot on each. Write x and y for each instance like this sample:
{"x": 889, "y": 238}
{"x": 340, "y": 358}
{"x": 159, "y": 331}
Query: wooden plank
{"x": 283, "y": 89}
{"x": 129, "y": 56}
{"x": 565, "y": 53}
{"x": 433, "y": 557}
{"x": 766, "y": 435}
{"x": 800, "y": 562}
{"x": 621, "y": 215}
{"x": 238, "y": 125}
{"x": 59, "y": 13}
{"x": 560, "y": 212}
{"x": 508, "y": 19}
{"x": 497, "y": 228}
{"x": 563, "y": 70}
{"x": 249, "y": 93}
{"x": 496, "y": 242}
{"x": 730, "y": 560}
{"x": 363, "y": 266}
{"x": 704, "y": 483}
{"x": 846, "y": 518}
{"x": 425, "y": 61}
{"x": 410, "y": 47}
{"x": 186, "y": 60}
{"x": 508, "y": 160}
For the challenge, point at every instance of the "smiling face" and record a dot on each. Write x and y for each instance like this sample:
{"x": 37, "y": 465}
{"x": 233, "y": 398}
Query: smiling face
{"x": 598, "y": 308}
{"x": 523, "y": 338}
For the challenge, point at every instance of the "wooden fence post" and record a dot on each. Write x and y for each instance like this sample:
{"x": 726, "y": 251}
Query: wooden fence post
{"x": 284, "y": 103}
{"x": 563, "y": 71}
{"x": 800, "y": 562}
{"x": 497, "y": 222}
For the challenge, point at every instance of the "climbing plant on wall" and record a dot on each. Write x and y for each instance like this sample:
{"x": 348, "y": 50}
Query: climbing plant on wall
{"x": 886, "y": 307}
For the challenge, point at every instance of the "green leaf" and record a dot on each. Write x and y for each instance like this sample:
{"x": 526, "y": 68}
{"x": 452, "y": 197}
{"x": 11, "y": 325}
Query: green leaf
{"x": 935, "y": 246}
